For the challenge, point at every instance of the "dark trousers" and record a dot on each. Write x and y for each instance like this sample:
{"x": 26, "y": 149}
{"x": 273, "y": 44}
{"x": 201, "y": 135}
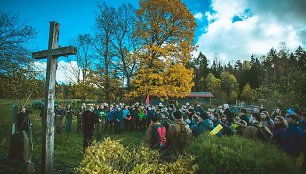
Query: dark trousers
{"x": 143, "y": 124}
{"x": 79, "y": 123}
{"x": 128, "y": 125}
{"x": 99, "y": 131}
{"x": 68, "y": 124}
{"x": 58, "y": 123}
{"x": 136, "y": 124}
{"x": 87, "y": 139}
{"x": 117, "y": 127}
{"x": 109, "y": 124}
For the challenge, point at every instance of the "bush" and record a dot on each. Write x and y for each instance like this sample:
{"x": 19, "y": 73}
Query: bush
{"x": 239, "y": 155}
{"x": 111, "y": 156}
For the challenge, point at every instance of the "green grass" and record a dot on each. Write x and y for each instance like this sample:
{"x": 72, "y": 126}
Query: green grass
{"x": 68, "y": 146}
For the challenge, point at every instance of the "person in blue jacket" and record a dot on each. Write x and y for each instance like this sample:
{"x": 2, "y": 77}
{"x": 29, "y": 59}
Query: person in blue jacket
{"x": 110, "y": 119}
{"x": 118, "y": 119}
{"x": 291, "y": 141}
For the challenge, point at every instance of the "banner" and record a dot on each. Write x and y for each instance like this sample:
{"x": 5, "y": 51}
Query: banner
{"x": 216, "y": 130}
{"x": 147, "y": 100}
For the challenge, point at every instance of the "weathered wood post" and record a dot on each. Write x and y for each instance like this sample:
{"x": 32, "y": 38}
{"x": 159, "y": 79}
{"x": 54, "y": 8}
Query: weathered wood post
{"x": 53, "y": 52}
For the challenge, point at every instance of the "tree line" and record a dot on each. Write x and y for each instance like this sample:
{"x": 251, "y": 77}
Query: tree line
{"x": 276, "y": 79}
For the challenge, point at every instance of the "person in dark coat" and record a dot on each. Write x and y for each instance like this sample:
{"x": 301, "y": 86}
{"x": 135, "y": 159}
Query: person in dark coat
{"x": 279, "y": 128}
{"x": 291, "y": 141}
{"x": 23, "y": 121}
{"x": 89, "y": 121}
{"x": 110, "y": 119}
{"x": 118, "y": 119}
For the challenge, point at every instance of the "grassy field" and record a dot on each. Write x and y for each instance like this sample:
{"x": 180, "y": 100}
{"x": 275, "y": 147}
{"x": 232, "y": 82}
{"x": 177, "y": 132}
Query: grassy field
{"x": 68, "y": 146}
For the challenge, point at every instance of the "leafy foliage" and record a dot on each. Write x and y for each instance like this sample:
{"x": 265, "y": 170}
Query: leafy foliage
{"x": 165, "y": 30}
{"x": 247, "y": 93}
{"x": 20, "y": 84}
{"x": 239, "y": 155}
{"x": 229, "y": 85}
{"x": 111, "y": 156}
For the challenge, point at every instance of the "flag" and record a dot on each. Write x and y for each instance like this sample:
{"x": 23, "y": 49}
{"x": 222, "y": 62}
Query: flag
{"x": 147, "y": 100}
{"x": 216, "y": 130}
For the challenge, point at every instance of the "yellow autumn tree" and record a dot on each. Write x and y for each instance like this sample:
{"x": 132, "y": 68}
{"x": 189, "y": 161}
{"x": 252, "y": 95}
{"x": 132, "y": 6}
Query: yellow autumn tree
{"x": 247, "y": 93}
{"x": 86, "y": 89}
{"x": 93, "y": 87}
{"x": 165, "y": 29}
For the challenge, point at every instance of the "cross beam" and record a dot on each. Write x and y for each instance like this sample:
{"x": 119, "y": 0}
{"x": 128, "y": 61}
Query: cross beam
{"x": 53, "y": 52}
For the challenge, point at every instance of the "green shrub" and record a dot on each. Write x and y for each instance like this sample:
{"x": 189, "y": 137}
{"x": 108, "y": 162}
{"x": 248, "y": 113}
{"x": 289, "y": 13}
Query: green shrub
{"x": 111, "y": 156}
{"x": 239, "y": 155}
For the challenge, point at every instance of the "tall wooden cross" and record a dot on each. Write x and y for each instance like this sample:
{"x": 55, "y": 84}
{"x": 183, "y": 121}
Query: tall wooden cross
{"x": 53, "y": 52}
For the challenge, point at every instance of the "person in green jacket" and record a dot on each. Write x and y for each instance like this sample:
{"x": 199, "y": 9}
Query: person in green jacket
{"x": 205, "y": 124}
{"x": 142, "y": 118}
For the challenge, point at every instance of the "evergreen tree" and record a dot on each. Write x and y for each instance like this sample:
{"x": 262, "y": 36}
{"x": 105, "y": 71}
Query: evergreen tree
{"x": 200, "y": 66}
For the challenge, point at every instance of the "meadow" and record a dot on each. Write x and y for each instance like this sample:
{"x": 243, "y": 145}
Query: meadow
{"x": 233, "y": 154}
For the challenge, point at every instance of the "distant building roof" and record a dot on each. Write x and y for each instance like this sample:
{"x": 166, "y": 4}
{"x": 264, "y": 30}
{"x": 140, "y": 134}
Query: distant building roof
{"x": 201, "y": 94}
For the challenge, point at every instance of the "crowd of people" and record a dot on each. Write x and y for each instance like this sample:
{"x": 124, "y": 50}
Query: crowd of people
{"x": 170, "y": 128}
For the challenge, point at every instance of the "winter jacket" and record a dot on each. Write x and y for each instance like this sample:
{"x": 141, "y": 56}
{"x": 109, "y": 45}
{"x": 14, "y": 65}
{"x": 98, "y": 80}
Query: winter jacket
{"x": 149, "y": 133}
{"x": 125, "y": 113}
{"x": 89, "y": 119}
{"x": 204, "y": 126}
{"x": 174, "y": 136}
{"x": 277, "y": 131}
{"x": 110, "y": 115}
{"x": 291, "y": 141}
{"x": 118, "y": 116}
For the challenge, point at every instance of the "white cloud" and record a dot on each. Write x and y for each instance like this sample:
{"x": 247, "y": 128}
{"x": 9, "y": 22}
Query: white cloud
{"x": 255, "y": 34}
{"x": 65, "y": 71}
{"x": 198, "y": 16}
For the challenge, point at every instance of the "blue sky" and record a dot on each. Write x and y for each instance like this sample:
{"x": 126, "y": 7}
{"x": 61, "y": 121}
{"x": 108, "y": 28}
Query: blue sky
{"x": 75, "y": 16}
{"x": 227, "y": 29}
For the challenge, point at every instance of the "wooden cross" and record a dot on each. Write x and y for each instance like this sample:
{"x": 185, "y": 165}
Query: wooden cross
{"x": 53, "y": 52}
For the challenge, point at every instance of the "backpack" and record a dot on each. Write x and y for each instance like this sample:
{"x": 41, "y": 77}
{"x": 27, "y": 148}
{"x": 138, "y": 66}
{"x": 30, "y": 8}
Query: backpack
{"x": 159, "y": 137}
{"x": 182, "y": 138}
{"x": 263, "y": 134}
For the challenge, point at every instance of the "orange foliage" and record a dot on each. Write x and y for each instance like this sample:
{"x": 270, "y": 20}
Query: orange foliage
{"x": 166, "y": 29}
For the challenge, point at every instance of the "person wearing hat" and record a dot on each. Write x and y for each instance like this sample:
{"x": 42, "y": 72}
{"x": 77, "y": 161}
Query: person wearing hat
{"x": 291, "y": 141}
{"x": 179, "y": 134}
{"x": 89, "y": 120}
